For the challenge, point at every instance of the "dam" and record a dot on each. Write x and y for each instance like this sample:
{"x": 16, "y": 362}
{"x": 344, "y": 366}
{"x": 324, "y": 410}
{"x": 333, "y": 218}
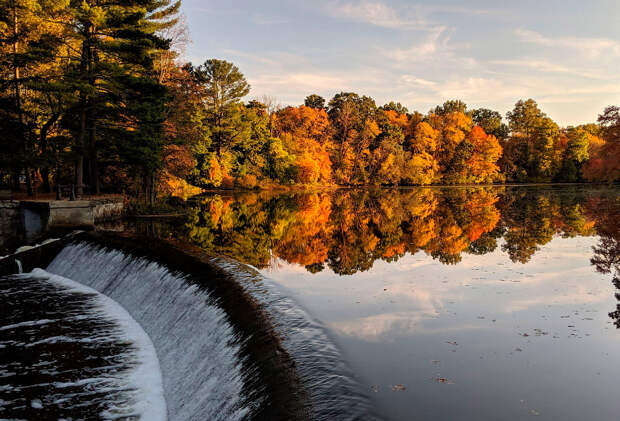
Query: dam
{"x": 214, "y": 341}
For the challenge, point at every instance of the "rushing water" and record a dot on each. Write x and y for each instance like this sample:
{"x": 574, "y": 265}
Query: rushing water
{"x": 456, "y": 303}
{"x": 67, "y": 352}
{"x": 206, "y": 374}
{"x": 197, "y": 349}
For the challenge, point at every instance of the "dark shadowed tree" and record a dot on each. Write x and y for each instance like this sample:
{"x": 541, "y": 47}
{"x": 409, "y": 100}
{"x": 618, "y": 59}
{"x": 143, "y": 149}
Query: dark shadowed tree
{"x": 314, "y": 101}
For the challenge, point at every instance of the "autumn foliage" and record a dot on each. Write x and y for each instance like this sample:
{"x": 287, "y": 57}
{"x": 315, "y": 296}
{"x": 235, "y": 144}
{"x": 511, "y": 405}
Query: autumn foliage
{"x": 177, "y": 128}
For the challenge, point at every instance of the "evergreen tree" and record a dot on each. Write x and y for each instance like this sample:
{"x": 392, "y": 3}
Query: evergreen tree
{"x": 224, "y": 86}
{"x": 114, "y": 61}
{"x": 315, "y": 101}
{"x": 29, "y": 42}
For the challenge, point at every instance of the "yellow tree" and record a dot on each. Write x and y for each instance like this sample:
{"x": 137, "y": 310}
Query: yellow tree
{"x": 305, "y": 134}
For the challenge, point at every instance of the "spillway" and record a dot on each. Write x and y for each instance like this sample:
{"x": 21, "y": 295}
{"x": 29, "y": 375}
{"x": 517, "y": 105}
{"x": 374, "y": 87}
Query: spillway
{"x": 229, "y": 343}
{"x": 198, "y": 350}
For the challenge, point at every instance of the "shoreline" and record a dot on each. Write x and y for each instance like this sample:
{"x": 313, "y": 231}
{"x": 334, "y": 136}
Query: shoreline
{"x": 309, "y": 188}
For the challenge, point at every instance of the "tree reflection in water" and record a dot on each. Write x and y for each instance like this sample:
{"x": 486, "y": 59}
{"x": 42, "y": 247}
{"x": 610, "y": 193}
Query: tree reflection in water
{"x": 606, "y": 256}
{"x": 348, "y": 230}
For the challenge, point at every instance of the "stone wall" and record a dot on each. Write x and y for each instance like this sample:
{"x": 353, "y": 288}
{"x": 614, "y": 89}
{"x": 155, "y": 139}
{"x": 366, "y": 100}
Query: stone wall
{"x": 108, "y": 209}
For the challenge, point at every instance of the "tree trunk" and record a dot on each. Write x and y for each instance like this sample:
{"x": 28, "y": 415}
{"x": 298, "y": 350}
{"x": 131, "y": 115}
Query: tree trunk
{"x": 45, "y": 170}
{"x": 92, "y": 143}
{"x": 45, "y": 175}
{"x": 79, "y": 165}
{"x": 18, "y": 100}
{"x": 84, "y": 103}
{"x": 153, "y": 191}
{"x": 92, "y": 157}
{"x": 79, "y": 174}
{"x": 16, "y": 184}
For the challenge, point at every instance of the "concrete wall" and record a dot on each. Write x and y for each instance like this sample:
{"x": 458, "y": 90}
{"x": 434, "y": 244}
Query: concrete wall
{"x": 22, "y": 222}
{"x": 77, "y": 213}
{"x": 11, "y": 224}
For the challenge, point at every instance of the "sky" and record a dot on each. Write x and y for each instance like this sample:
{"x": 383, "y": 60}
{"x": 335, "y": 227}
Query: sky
{"x": 565, "y": 54}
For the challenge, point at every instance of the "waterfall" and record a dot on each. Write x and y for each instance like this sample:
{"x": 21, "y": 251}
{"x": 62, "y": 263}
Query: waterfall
{"x": 197, "y": 348}
{"x": 19, "y": 266}
{"x": 206, "y": 373}
{"x": 333, "y": 390}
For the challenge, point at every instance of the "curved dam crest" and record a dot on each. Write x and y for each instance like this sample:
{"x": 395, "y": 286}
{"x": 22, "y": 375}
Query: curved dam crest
{"x": 211, "y": 364}
{"x": 230, "y": 344}
{"x": 199, "y": 352}
{"x": 330, "y": 383}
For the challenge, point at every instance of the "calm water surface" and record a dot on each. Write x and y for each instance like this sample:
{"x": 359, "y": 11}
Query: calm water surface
{"x": 456, "y": 303}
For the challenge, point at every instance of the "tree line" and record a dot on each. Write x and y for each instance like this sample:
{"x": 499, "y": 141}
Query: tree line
{"x": 80, "y": 97}
{"x": 350, "y": 140}
{"x": 92, "y": 93}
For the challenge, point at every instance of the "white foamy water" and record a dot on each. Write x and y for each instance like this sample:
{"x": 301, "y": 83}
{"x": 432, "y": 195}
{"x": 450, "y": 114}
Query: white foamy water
{"x": 145, "y": 376}
{"x": 138, "y": 381}
{"x": 198, "y": 350}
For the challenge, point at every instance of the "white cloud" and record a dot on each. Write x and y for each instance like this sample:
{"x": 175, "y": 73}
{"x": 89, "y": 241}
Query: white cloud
{"x": 436, "y": 43}
{"x": 378, "y": 13}
{"x": 546, "y": 66}
{"x": 434, "y": 9}
{"x": 413, "y": 80}
{"x": 479, "y": 89}
{"x": 311, "y": 80}
{"x": 590, "y": 47}
{"x": 375, "y": 13}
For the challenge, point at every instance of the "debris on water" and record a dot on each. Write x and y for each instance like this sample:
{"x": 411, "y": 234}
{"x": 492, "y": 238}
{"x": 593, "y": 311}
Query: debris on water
{"x": 525, "y": 335}
{"x": 375, "y": 388}
{"x": 534, "y": 412}
{"x": 481, "y": 317}
{"x": 564, "y": 317}
{"x": 452, "y": 343}
{"x": 435, "y": 362}
{"x": 518, "y": 349}
{"x": 36, "y": 404}
{"x": 443, "y": 380}
{"x": 399, "y": 388}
